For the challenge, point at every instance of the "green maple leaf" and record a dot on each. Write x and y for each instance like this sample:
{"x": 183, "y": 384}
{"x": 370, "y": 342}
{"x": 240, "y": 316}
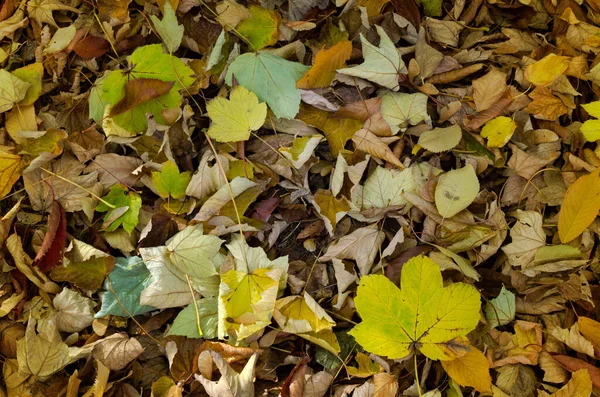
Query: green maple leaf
{"x": 170, "y": 182}
{"x": 126, "y": 209}
{"x": 149, "y": 62}
{"x": 271, "y": 78}
{"x": 424, "y": 315}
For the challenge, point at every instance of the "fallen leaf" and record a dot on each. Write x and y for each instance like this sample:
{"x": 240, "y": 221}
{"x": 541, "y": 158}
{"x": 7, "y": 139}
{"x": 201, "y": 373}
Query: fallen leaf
{"x": 170, "y": 31}
{"x": 423, "y": 315}
{"x": 382, "y": 65}
{"x": 231, "y": 383}
{"x": 471, "y": 370}
{"x": 271, "y": 78}
{"x": 362, "y": 245}
{"x": 91, "y": 47}
{"x": 488, "y": 89}
{"x": 400, "y": 110}
{"x": 233, "y": 120}
{"x": 544, "y": 71}
{"x": 75, "y": 312}
{"x": 169, "y": 182}
{"x": 498, "y": 131}
{"x": 262, "y": 28}
{"x": 325, "y": 64}
{"x": 55, "y": 239}
{"x": 139, "y": 91}
{"x": 116, "y": 351}
{"x": 373, "y": 145}
{"x": 13, "y": 90}
{"x": 10, "y": 171}
{"x": 580, "y": 385}
{"x": 441, "y": 139}
{"x": 580, "y": 207}
{"x": 456, "y": 190}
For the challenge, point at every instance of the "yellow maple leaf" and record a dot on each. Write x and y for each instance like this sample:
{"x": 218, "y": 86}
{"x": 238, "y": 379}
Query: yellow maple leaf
{"x": 234, "y": 118}
{"x": 544, "y": 71}
{"x": 498, "y": 131}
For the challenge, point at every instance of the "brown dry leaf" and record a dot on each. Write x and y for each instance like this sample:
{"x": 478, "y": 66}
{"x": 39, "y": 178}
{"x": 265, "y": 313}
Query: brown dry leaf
{"x": 138, "y": 92}
{"x": 117, "y": 351}
{"x": 575, "y": 364}
{"x": 545, "y": 106}
{"x": 373, "y": 145}
{"x": 337, "y": 130}
{"x": 488, "y": 90}
{"x": 384, "y": 385}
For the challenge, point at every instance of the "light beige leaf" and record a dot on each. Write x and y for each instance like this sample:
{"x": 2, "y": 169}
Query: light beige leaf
{"x": 384, "y": 385}
{"x": 373, "y": 145}
{"x": 384, "y": 187}
{"x": 74, "y": 311}
{"x": 113, "y": 168}
{"x": 209, "y": 178}
{"x": 400, "y": 110}
{"x": 116, "y": 351}
{"x": 213, "y": 205}
{"x": 527, "y": 237}
{"x": 231, "y": 383}
{"x": 456, "y": 190}
{"x": 362, "y": 245}
{"x": 573, "y": 338}
{"x": 42, "y": 354}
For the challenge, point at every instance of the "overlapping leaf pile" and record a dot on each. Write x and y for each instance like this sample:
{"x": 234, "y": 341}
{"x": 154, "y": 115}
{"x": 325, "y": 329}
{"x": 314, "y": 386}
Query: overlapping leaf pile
{"x": 299, "y": 198}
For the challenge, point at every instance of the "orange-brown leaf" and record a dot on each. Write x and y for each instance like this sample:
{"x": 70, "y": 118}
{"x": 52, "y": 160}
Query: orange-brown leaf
{"x": 575, "y": 364}
{"x": 323, "y": 70}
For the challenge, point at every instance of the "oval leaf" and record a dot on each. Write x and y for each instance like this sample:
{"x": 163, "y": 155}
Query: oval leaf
{"x": 456, "y": 190}
{"x": 579, "y": 207}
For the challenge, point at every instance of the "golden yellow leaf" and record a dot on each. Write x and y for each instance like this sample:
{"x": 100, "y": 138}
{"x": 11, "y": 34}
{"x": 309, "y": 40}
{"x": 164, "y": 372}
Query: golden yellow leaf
{"x": 590, "y": 329}
{"x": 471, "y": 369}
{"x": 331, "y": 209}
{"x": 544, "y": 71}
{"x": 498, "y": 131}
{"x": 580, "y": 385}
{"x": 324, "y": 68}
{"x": 10, "y": 171}
{"x": 20, "y": 118}
{"x": 373, "y": 6}
{"x": 579, "y": 207}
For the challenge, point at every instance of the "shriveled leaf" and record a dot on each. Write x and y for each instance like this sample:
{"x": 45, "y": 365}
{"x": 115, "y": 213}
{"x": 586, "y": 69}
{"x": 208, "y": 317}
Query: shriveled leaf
{"x": 55, "y": 239}
{"x": 362, "y": 245}
{"x": 231, "y": 383}
{"x": 423, "y": 315}
{"x": 116, "y": 351}
{"x": 373, "y": 145}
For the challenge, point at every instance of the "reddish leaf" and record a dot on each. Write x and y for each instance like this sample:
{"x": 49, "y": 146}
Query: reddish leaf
{"x": 91, "y": 47}
{"x": 294, "y": 384}
{"x": 574, "y": 364}
{"x": 139, "y": 91}
{"x": 50, "y": 253}
{"x": 263, "y": 209}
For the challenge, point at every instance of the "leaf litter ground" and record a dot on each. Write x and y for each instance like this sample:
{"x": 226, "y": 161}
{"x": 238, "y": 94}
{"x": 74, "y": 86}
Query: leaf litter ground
{"x": 299, "y": 198}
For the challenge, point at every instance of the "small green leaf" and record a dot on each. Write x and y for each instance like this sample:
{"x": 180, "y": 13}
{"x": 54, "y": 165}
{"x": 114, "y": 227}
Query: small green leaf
{"x": 501, "y": 309}
{"x": 129, "y": 277}
{"x": 186, "y": 322}
{"x": 126, "y": 211}
{"x": 170, "y": 182}
{"x": 170, "y": 31}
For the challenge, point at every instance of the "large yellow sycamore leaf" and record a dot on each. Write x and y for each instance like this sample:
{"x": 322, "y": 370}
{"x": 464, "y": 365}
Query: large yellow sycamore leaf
{"x": 544, "y": 71}
{"x": 234, "y": 118}
{"x": 423, "y": 315}
{"x": 498, "y": 131}
{"x": 471, "y": 370}
{"x": 579, "y": 207}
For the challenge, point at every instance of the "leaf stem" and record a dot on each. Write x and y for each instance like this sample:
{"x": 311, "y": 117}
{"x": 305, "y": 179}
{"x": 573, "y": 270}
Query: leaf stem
{"x": 417, "y": 374}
